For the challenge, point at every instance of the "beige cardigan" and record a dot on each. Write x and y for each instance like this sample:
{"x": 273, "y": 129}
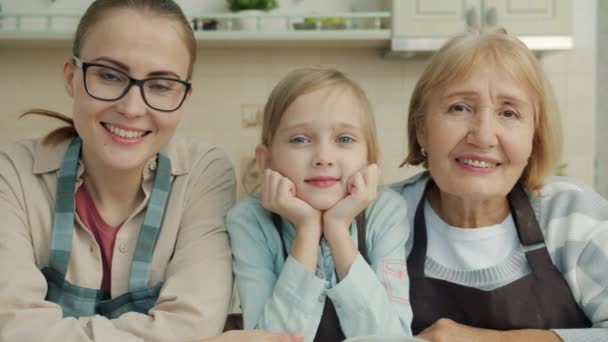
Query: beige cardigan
{"x": 192, "y": 255}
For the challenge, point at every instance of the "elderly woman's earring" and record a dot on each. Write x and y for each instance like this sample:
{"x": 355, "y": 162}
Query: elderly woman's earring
{"x": 423, "y": 152}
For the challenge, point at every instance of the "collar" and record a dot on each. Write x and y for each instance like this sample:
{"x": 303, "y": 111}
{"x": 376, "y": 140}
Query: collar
{"x": 48, "y": 158}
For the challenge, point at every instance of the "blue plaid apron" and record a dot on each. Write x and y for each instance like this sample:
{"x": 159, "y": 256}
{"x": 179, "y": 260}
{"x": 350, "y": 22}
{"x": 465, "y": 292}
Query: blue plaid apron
{"x": 82, "y": 302}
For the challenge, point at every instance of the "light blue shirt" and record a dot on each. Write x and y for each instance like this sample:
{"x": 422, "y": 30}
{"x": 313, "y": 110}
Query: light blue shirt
{"x": 281, "y": 295}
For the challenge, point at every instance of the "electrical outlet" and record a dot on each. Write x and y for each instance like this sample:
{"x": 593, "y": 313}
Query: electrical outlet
{"x": 251, "y": 115}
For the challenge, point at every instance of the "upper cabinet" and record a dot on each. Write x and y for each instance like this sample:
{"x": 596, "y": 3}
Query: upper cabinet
{"x": 419, "y": 18}
{"x": 425, "y": 25}
{"x": 529, "y": 17}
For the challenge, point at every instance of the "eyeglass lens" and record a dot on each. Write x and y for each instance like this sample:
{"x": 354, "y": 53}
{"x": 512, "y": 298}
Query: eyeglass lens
{"x": 109, "y": 84}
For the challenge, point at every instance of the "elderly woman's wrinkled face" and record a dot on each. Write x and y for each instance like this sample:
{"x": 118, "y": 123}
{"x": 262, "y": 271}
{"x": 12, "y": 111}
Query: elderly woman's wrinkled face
{"x": 478, "y": 134}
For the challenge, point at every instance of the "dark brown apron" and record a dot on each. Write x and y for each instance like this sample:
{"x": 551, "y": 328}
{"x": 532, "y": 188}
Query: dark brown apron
{"x": 539, "y": 300}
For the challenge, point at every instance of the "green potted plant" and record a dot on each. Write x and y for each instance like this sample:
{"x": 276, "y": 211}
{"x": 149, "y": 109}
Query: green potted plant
{"x": 249, "y": 11}
{"x": 243, "y": 5}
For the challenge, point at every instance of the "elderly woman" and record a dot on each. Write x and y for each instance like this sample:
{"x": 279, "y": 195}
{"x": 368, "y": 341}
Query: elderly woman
{"x": 500, "y": 250}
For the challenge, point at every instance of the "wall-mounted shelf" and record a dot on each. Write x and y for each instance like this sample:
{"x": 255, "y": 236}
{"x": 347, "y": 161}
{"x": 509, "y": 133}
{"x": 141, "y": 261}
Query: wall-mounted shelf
{"x": 269, "y": 30}
{"x": 348, "y": 29}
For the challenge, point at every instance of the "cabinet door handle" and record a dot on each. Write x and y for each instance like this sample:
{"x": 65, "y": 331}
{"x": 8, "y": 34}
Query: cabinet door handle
{"x": 492, "y": 16}
{"x": 472, "y": 18}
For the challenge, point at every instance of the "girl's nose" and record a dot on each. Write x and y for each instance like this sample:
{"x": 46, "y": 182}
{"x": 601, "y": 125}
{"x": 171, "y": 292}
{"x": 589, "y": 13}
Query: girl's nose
{"x": 323, "y": 156}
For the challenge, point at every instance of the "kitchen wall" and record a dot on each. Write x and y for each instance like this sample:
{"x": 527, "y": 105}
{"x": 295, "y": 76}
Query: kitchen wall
{"x": 601, "y": 138}
{"x": 229, "y": 80}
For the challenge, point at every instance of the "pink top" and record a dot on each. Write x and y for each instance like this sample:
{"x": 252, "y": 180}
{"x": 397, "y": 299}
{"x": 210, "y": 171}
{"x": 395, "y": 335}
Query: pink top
{"x": 104, "y": 234}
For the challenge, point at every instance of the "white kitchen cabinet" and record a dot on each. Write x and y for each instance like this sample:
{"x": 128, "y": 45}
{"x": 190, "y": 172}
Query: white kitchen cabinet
{"x": 420, "y": 25}
{"x": 529, "y": 17}
{"x": 420, "y": 18}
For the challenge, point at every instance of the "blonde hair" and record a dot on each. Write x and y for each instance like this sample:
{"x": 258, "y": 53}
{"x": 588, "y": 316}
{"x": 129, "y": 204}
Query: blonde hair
{"x": 98, "y": 10}
{"x": 457, "y": 59}
{"x": 305, "y": 80}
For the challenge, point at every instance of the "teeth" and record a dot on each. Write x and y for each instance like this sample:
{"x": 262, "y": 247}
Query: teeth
{"x": 123, "y": 133}
{"x": 478, "y": 163}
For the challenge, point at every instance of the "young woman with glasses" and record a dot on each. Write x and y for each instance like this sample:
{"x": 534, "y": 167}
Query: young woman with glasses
{"x": 113, "y": 230}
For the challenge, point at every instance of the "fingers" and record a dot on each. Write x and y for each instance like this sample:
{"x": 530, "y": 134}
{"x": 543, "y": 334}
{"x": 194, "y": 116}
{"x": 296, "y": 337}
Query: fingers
{"x": 356, "y": 184}
{"x": 364, "y": 184}
{"x": 371, "y": 175}
{"x": 285, "y": 188}
{"x": 275, "y": 188}
{"x": 279, "y": 196}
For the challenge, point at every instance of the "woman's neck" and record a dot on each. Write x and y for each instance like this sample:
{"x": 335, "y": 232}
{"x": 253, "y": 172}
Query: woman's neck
{"x": 468, "y": 213}
{"x": 116, "y": 193}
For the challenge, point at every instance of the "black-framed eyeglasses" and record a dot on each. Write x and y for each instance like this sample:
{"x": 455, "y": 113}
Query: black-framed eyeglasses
{"x": 109, "y": 84}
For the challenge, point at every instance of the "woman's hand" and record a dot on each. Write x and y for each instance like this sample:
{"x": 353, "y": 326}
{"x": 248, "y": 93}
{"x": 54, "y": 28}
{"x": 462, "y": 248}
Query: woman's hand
{"x": 255, "y": 336}
{"x": 446, "y": 330}
{"x": 362, "y": 188}
{"x": 279, "y": 196}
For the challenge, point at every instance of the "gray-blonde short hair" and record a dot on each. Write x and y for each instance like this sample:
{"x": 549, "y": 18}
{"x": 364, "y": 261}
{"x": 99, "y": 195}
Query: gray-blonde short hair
{"x": 457, "y": 59}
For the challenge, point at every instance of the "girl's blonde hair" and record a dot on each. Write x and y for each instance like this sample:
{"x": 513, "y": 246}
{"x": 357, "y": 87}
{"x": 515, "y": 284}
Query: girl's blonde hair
{"x": 98, "y": 10}
{"x": 305, "y": 80}
{"x": 457, "y": 59}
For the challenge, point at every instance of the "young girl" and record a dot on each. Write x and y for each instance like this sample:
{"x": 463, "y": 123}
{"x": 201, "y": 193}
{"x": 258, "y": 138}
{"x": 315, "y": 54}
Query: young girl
{"x": 320, "y": 252}
{"x": 112, "y": 230}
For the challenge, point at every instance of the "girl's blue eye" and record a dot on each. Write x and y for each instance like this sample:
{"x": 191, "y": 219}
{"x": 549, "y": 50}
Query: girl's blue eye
{"x": 297, "y": 140}
{"x": 345, "y": 139}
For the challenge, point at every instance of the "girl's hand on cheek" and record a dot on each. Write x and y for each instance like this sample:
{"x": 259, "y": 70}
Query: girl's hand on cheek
{"x": 362, "y": 189}
{"x": 279, "y": 196}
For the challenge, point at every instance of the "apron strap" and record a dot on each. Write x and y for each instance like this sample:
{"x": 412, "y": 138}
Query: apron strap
{"x": 155, "y": 209}
{"x": 276, "y": 220}
{"x": 529, "y": 231}
{"x": 362, "y": 235}
{"x": 63, "y": 220}
{"x": 524, "y": 217}
{"x": 417, "y": 258}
